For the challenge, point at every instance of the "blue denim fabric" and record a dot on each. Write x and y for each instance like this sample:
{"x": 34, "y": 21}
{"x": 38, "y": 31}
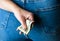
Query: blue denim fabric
{"x": 47, "y": 21}
{"x": 8, "y": 25}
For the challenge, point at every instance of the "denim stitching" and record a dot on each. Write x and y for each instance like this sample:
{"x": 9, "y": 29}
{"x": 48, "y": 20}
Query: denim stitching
{"x": 3, "y": 22}
{"x": 48, "y": 9}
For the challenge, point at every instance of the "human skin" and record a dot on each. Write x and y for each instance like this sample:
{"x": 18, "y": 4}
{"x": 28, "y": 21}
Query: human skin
{"x": 21, "y": 14}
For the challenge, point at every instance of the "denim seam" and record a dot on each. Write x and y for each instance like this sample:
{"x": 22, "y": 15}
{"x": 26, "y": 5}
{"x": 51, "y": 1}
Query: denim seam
{"x": 48, "y": 9}
{"x": 3, "y": 23}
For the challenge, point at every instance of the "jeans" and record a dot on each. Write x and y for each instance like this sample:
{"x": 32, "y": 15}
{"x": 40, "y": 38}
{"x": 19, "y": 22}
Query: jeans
{"x": 47, "y": 21}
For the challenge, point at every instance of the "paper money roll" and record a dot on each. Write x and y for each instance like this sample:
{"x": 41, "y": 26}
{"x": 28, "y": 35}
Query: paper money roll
{"x": 29, "y": 26}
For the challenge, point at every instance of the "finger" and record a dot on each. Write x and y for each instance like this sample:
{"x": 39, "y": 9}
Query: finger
{"x": 31, "y": 18}
{"x": 23, "y": 22}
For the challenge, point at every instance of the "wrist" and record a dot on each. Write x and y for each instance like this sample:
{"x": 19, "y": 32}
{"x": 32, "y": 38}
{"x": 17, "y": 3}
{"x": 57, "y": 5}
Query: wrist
{"x": 16, "y": 10}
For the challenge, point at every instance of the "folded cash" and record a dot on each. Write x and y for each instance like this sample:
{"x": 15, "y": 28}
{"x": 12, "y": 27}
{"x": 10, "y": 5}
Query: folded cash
{"x": 29, "y": 26}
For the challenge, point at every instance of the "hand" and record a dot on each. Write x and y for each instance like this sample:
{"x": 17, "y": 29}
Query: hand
{"x": 22, "y": 16}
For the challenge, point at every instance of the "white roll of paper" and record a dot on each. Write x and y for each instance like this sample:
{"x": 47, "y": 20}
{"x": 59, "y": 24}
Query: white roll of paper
{"x": 29, "y": 26}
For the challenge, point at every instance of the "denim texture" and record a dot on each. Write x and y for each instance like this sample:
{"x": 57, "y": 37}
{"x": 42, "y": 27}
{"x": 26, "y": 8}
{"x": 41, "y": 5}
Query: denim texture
{"x": 47, "y": 21}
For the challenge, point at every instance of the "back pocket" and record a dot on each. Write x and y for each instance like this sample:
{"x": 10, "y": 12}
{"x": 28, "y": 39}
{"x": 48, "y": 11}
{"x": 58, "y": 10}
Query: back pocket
{"x": 4, "y": 15}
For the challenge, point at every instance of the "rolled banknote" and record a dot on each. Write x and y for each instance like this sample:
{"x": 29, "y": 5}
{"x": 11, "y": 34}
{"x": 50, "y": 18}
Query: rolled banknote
{"x": 29, "y": 26}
